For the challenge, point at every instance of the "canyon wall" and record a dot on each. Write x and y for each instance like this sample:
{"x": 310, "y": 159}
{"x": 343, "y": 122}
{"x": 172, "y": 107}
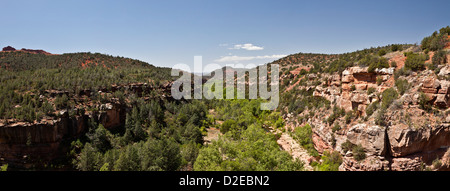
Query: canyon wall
{"x": 411, "y": 139}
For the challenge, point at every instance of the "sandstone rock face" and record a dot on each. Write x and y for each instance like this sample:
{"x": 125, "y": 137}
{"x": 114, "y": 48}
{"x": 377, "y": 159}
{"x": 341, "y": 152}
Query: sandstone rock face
{"x": 406, "y": 164}
{"x": 370, "y": 137}
{"x": 445, "y": 71}
{"x": 25, "y": 145}
{"x": 371, "y": 163}
{"x": 112, "y": 115}
{"x": 437, "y": 91}
{"x": 397, "y": 146}
{"x": 355, "y": 83}
{"x": 405, "y": 141}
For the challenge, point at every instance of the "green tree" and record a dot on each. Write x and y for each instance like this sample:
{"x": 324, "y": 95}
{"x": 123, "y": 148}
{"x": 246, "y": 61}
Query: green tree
{"x": 330, "y": 161}
{"x": 304, "y": 137}
{"x": 387, "y": 97}
{"x": 424, "y": 102}
{"x": 358, "y": 152}
{"x": 415, "y": 61}
{"x": 89, "y": 159}
{"x": 402, "y": 85}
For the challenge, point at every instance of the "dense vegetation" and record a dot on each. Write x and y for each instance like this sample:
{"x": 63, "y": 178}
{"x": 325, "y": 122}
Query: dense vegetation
{"x": 437, "y": 40}
{"x": 155, "y": 137}
{"x": 247, "y": 144}
{"x": 25, "y": 77}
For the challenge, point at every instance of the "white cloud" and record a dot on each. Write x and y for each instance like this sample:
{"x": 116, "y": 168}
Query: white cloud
{"x": 247, "y": 58}
{"x": 247, "y": 46}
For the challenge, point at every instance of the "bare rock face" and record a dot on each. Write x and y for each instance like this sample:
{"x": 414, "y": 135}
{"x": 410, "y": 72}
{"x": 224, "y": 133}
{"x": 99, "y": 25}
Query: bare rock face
{"x": 26, "y": 145}
{"x": 370, "y": 137}
{"x": 445, "y": 71}
{"x": 397, "y": 146}
{"x": 405, "y": 140}
{"x": 111, "y": 115}
{"x": 371, "y": 163}
{"x": 29, "y": 144}
{"x": 412, "y": 163}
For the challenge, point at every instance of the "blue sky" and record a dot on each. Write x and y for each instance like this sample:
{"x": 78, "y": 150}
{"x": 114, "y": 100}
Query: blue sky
{"x": 168, "y": 32}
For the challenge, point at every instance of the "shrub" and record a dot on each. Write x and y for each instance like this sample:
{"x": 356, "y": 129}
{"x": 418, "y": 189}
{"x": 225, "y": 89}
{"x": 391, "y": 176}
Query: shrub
{"x": 336, "y": 127}
{"x": 394, "y": 64}
{"x": 228, "y": 125}
{"x": 4, "y": 167}
{"x": 402, "y": 72}
{"x": 358, "y": 153}
{"x": 379, "y": 80}
{"x": 382, "y": 52}
{"x": 337, "y": 112}
{"x": 440, "y": 57}
{"x": 347, "y": 146}
{"x": 402, "y": 85}
{"x": 348, "y": 117}
{"x": 331, "y": 161}
{"x": 371, "y": 90}
{"x": 415, "y": 61}
{"x": 396, "y": 47}
{"x": 372, "y": 108}
{"x": 304, "y": 137}
{"x": 388, "y": 96}
{"x": 437, "y": 163}
{"x": 424, "y": 102}
{"x": 436, "y": 41}
{"x": 379, "y": 119}
{"x": 378, "y": 63}
{"x": 353, "y": 87}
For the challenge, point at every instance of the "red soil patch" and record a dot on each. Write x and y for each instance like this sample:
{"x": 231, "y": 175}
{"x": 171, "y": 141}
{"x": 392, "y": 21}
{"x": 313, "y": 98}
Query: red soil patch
{"x": 86, "y": 63}
{"x": 295, "y": 84}
{"x": 431, "y": 54}
{"x": 297, "y": 70}
{"x": 400, "y": 60}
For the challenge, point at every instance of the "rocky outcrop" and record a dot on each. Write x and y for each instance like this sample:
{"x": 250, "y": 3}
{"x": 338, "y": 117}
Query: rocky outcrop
{"x": 355, "y": 83}
{"x": 412, "y": 138}
{"x": 372, "y": 138}
{"x": 8, "y": 48}
{"x": 111, "y": 115}
{"x": 32, "y": 51}
{"x": 438, "y": 91}
{"x": 33, "y": 144}
{"x": 405, "y": 140}
{"x": 371, "y": 163}
{"x": 35, "y": 51}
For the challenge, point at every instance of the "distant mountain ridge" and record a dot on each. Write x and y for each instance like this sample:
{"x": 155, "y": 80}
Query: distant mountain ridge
{"x": 33, "y": 51}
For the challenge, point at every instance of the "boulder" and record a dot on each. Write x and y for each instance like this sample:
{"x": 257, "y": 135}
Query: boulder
{"x": 429, "y": 90}
{"x": 347, "y": 78}
{"x": 445, "y": 71}
{"x": 372, "y": 138}
{"x": 359, "y": 98}
{"x": 431, "y": 82}
{"x": 442, "y": 100}
{"x": 346, "y": 87}
{"x": 361, "y": 86}
{"x": 384, "y": 71}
